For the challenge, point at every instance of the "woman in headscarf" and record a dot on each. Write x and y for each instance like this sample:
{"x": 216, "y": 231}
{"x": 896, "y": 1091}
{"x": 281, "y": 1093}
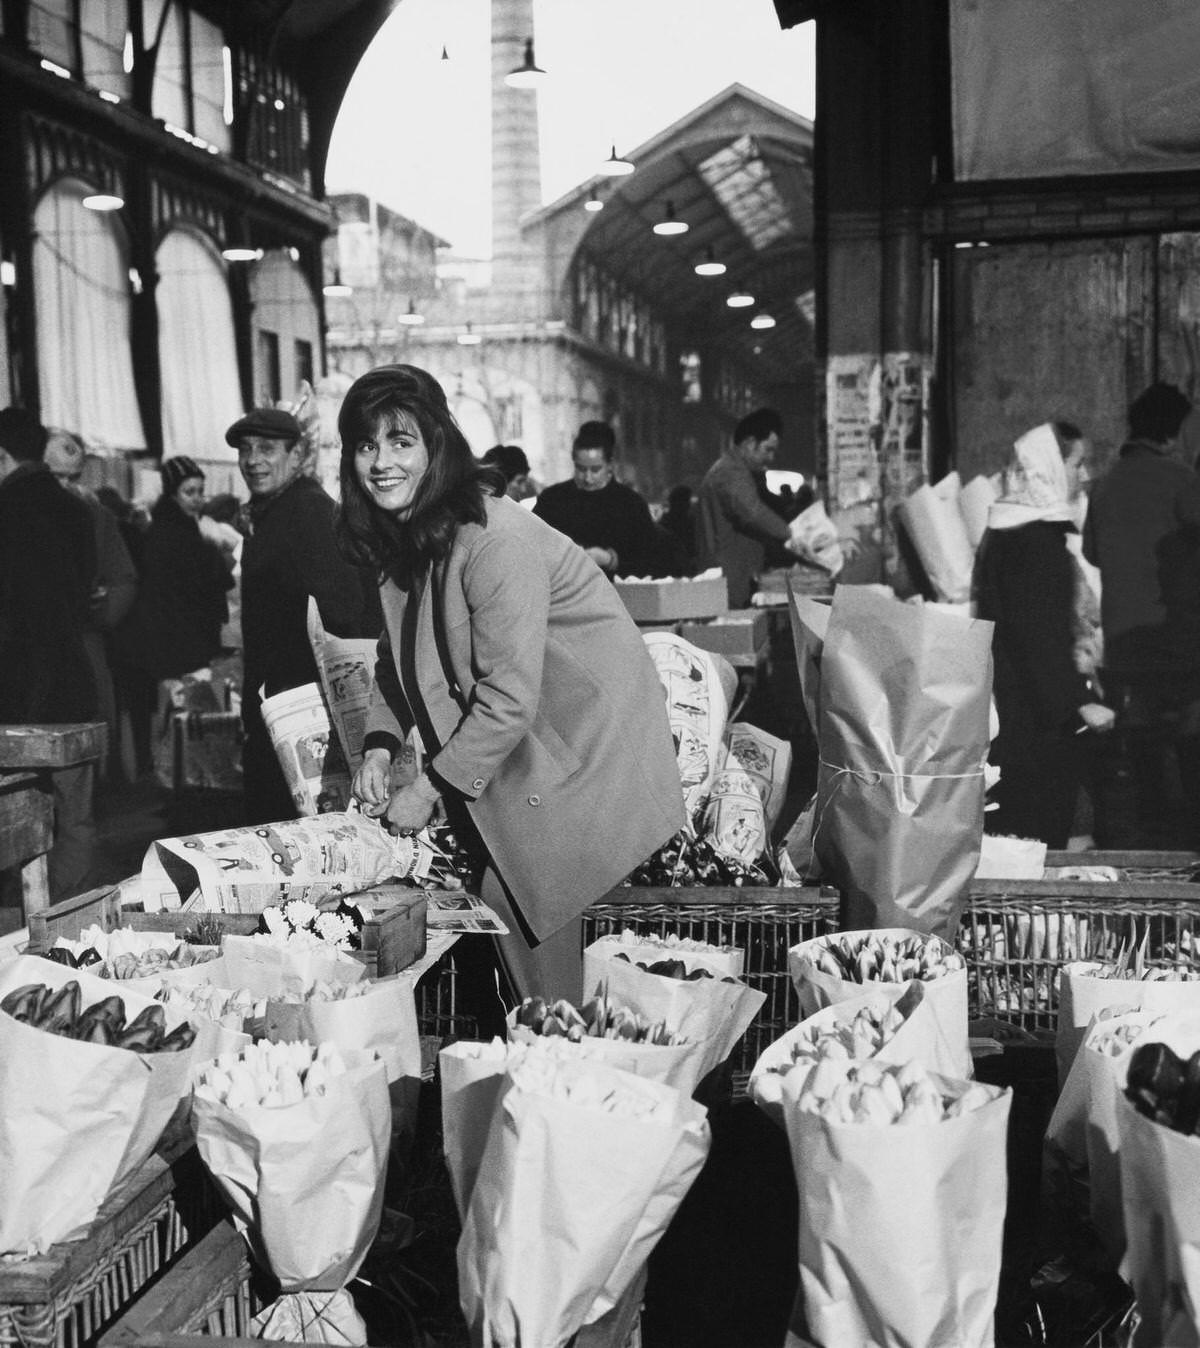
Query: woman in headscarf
{"x": 1027, "y": 583}
{"x": 541, "y": 715}
{"x": 175, "y": 624}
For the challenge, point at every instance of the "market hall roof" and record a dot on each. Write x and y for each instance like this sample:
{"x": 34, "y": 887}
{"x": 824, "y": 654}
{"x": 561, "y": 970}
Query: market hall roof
{"x": 738, "y": 169}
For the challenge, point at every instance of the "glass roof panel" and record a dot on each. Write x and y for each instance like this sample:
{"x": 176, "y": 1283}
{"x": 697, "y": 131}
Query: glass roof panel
{"x": 741, "y": 181}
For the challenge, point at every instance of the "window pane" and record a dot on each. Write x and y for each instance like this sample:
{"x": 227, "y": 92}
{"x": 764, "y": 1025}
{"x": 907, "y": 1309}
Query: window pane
{"x": 104, "y": 29}
{"x": 51, "y": 31}
{"x": 268, "y": 365}
{"x": 169, "y": 99}
{"x": 208, "y": 82}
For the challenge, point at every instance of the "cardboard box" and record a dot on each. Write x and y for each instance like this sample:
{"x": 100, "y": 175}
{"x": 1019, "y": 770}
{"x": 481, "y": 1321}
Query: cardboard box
{"x": 740, "y": 634}
{"x": 664, "y": 601}
{"x": 51, "y": 746}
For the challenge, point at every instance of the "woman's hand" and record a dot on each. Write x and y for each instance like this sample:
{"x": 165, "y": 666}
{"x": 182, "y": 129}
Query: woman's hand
{"x": 412, "y": 807}
{"x": 1096, "y": 716}
{"x": 372, "y": 780}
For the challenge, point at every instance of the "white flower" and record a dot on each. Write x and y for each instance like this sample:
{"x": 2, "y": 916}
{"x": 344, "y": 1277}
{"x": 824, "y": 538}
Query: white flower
{"x": 274, "y": 921}
{"x": 334, "y": 929}
{"x": 300, "y": 913}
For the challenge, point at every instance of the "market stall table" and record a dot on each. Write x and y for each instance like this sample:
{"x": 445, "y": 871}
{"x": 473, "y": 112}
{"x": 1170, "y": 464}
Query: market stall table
{"x": 29, "y": 754}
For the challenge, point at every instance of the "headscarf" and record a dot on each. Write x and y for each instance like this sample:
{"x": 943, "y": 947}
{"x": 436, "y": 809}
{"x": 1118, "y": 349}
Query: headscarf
{"x": 1035, "y": 483}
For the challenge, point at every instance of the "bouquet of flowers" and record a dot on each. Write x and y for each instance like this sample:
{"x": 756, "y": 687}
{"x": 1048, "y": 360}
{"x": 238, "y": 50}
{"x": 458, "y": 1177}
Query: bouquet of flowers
{"x": 298, "y": 945}
{"x": 296, "y": 1138}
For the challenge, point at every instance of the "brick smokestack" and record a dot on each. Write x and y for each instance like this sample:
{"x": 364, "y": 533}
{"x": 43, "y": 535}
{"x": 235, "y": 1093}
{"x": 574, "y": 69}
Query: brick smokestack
{"x": 516, "y": 167}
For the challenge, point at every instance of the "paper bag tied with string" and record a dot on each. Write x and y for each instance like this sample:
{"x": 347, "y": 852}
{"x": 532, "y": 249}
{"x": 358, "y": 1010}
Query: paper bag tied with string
{"x": 898, "y": 694}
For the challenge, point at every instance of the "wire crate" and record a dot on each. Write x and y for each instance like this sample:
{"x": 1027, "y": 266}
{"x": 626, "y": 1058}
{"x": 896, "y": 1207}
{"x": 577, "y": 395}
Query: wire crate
{"x": 66, "y": 1297}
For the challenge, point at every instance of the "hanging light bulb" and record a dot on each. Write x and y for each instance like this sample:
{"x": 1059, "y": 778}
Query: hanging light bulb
{"x": 240, "y": 253}
{"x": 739, "y": 300}
{"x": 336, "y": 290}
{"x": 528, "y": 75}
{"x": 709, "y": 266}
{"x": 762, "y": 321}
{"x": 103, "y": 201}
{"x": 469, "y": 338}
{"x": 410, "y": 318}
{"x": 670, "y": 223}
{"x": 614, "y": 166}
{"x": 593, "y": 203}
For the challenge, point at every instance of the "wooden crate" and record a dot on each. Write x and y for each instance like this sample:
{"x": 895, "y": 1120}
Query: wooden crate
{"x": 51, "y": 746}
{"x": 393, "y": 936}
{"x": 66, "y": 1297}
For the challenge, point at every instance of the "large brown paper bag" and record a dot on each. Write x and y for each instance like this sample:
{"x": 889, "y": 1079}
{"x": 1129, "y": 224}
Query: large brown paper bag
{"x": 306, "y": 1186}
{"x": 1081, "y": 995}
{"x": 902, "y": 697}
{"x": 1160, "y": 1178}
{"x": 75, "y": 1118}
{"x": 901, "y": 1226}
{"x": 710, "y": 1013}
{"x": 558, "y": 1213}
{"x": 382, "y": 1021}
{"x": 946, "y": 996}
{"x": 919, "y": 1039}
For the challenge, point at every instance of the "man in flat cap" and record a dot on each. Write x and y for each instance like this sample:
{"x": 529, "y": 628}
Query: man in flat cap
{"x": 290, "y": 554}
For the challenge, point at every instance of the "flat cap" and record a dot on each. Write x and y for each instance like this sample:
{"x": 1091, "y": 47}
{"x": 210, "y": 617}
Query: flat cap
{"x": 273, "y": 423}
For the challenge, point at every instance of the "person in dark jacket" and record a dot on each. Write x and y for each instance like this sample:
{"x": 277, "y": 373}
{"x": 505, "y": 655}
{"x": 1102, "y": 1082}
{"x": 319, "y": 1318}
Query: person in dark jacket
{"x": 175, "y": 625}
{"x": 290, "y": 554}
{"x": 610, "y": 521}
{"x": 1025, "y": 583}
{"x": 47, "y": 564}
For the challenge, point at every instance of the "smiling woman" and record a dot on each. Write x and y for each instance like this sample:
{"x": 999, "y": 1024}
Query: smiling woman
{"x": 544, "y": 728}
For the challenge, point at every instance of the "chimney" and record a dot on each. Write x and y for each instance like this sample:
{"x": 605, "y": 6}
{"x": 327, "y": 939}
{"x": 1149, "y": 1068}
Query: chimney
{"x": 516, "y": 168}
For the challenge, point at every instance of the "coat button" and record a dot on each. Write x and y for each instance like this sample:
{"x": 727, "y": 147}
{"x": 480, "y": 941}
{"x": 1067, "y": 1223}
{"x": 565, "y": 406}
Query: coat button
{"x": 535, "y": 800}
{"x": 478, "y": 784}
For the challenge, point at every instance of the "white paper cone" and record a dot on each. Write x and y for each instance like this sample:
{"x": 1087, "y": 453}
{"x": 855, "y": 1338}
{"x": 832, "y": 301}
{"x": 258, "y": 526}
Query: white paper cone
{"x": 920, "y": 1039}
{"x": 1081, "y": 995}
{"x": 471, "y": 1086}
{"x": 974, "y": 502}
{"x": 947, "y": 995}
{"x": 901, "y": 1227}
{"x": 940, "y": 537}
{"x": 74, "y": 1117}
{"x": 270, "y": 970}
{"x": 306, "y": 1179}
{"x": 559, "y": 1198}
{"x": 382, "y": 1021}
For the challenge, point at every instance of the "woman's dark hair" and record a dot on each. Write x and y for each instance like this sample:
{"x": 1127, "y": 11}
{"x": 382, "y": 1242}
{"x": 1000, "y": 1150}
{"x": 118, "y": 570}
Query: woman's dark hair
{"x": 509, "y": 459}
{"x": 451, "y": 491}
{"x": 1157, "y": 413}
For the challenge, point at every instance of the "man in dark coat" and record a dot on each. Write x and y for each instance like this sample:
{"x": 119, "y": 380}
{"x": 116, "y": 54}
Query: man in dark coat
{"x": 1143, "y": 532}
{"x": 47, "y": 564}
{"x": 610, "y": 521}
{"x": 289, "y": 555}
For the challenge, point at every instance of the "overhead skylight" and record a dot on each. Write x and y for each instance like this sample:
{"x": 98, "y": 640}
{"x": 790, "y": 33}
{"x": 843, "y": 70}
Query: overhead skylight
{"x": 741, "y": 181}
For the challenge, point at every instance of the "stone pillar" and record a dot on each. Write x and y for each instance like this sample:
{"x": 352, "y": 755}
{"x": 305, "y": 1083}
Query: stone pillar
{"x": 516, "y": 166}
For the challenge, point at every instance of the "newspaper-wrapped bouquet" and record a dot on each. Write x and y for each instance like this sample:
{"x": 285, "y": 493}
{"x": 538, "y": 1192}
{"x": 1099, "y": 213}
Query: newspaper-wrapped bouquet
{"x": 296, "y": 1138}
{"x": 581, "y": 1169}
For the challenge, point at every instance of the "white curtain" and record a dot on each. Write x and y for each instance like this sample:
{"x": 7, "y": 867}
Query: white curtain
{"x": 1050, "y": 87}
{"x": 81, "y": 290}
{"x": 201, "y": 394}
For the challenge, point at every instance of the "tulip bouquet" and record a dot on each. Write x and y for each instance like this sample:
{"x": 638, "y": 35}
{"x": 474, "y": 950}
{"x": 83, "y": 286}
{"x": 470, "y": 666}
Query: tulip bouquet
{"x": 296, "y": 1138}
{"x": 902, "y": 1183}
{"x": 1159, "y": 1160}
{"x": 885, "y": 1024}
{"x": 709, "y": 1010}
{"x": 567, "y": 1172}
{"x": 90, "y": 1075}
{"x": 831, "y": 969}
{"x": 1080, "y": 1170}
